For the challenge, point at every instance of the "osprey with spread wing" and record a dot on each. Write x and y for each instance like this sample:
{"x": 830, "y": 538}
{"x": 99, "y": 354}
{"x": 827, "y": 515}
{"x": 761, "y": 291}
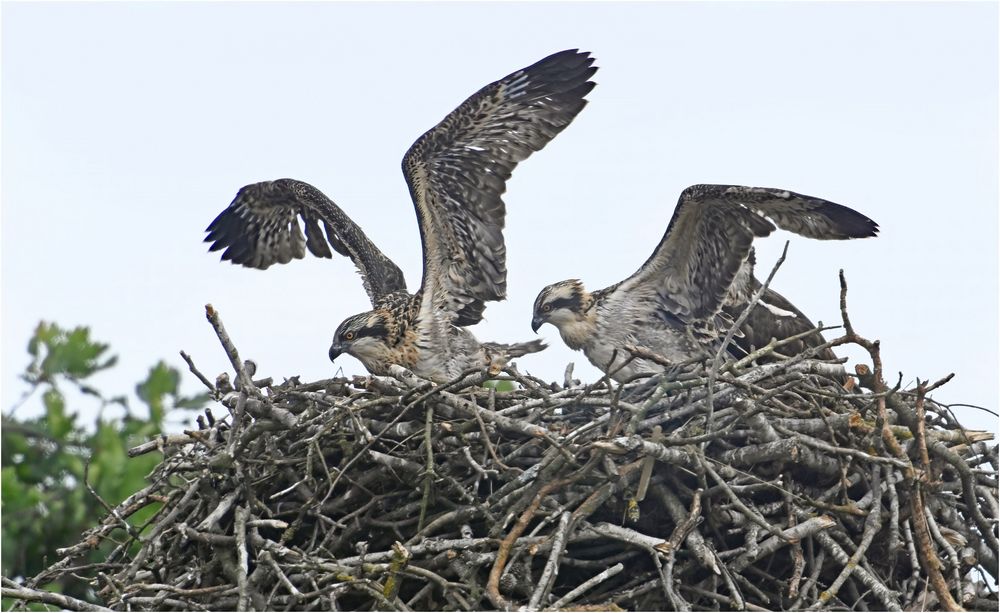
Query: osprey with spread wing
{"x": 682, "y": 300}
{"x": 456, "y": 173}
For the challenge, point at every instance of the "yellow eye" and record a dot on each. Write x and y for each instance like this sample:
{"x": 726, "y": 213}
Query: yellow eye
{"x": 349, "y": 336}
{"x": 546, "y": 308}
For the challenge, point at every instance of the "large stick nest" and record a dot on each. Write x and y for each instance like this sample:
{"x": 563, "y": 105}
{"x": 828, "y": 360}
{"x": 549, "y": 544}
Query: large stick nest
{"x": 712, "y": 486}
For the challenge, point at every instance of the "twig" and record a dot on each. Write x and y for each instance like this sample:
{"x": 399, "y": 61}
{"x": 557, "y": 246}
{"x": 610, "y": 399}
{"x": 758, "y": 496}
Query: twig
{"x": 733, "y": 329}
{"x": 429, "y": 468}
{"x": 597, "y": 579}
{"x": 242, "y": 558}
{"x": 197, "y": 373}
{"x": 32, "y": 595}
{"x": 234, "y": 357}
{"x": 551, "y": 566}
{"x": 872, "y": 526}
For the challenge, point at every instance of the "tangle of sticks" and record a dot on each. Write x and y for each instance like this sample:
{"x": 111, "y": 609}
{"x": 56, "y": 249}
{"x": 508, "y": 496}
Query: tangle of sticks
{"x": 758, "y": 484}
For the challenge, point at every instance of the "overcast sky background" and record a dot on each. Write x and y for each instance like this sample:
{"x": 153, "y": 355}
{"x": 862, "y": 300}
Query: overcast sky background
{"x": 127, "y": 127}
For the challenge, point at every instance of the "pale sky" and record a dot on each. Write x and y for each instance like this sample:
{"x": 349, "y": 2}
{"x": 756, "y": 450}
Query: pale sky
{"x": 127, "y": 127}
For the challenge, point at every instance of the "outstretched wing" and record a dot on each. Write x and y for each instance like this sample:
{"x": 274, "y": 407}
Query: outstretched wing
{"x": 710, "y": 235}
{"x": 458, "y": 170}
{"x": 261, "y": 227}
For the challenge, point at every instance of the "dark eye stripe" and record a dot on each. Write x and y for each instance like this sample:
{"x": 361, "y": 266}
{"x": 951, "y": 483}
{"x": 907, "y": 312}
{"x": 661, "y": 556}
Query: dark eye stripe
{"x": 572, "y": 303}
{"x": 377, "y": 331}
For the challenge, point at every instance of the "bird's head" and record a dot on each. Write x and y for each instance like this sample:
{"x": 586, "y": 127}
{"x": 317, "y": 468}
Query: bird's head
{"x": 561, "y": 304}
{"x": 365, "y": 336}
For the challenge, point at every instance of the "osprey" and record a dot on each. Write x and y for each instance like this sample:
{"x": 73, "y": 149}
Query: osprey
{"x": 683, "y": 299}
{"x": 456, "y": 173}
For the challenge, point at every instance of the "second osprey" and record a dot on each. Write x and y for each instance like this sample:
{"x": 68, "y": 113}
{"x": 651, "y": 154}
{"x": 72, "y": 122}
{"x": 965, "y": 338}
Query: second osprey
{"x": 456, "y": 173}
{"x": 683, "y": 299}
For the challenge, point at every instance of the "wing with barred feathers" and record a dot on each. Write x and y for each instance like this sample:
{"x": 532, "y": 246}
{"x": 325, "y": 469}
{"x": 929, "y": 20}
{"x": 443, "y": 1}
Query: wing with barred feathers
{"x": 710, "y": 235}
{"x": 261, "y": 228}
{"x": 457, "y": 173}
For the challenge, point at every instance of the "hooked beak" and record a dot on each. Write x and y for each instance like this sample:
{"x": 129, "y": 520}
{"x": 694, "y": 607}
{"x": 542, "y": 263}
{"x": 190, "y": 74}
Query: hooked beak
{"x": 336, "y": 349}
{"x": 536, "y": 322}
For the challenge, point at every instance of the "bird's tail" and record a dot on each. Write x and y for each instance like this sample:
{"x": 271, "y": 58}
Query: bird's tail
{"x": 516, "y": 350}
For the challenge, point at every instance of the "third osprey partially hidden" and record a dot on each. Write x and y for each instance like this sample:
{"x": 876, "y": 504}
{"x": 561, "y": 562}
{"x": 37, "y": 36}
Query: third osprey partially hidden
{"x": 679, "y": 303}
{"x": 456, "y": 173}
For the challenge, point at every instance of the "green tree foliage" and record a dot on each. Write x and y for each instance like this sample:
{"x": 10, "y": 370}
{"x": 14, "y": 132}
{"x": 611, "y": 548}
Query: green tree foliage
{"x": 49, "y": 460}
{"x": 500, "y": 385}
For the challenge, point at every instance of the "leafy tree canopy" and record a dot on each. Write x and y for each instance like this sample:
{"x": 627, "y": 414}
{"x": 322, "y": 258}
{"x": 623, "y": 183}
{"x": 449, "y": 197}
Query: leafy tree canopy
{"x": 51, "y": 462}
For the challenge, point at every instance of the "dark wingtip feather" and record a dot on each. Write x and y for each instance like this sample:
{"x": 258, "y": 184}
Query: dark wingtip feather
{"x": 224, "y": 233}
{"x": 238, "y": 231}
{"x": 568, "y": 58}
{"x": 852, "y": 223}
{"x": 566, "y": 72}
